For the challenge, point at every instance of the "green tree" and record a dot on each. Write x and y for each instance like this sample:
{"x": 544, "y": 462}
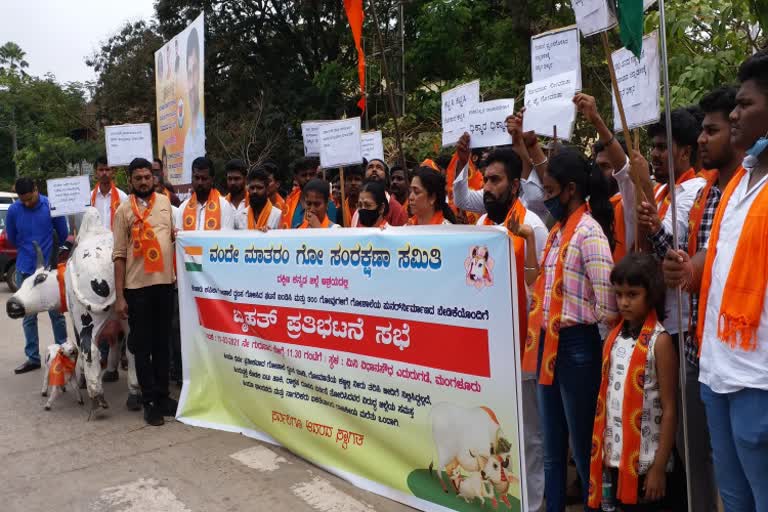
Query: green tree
{"x": 12, "y": 58}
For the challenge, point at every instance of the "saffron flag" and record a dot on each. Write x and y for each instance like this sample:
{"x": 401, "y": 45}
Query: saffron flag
{"x": 354, "y": 9}
{"x": 631, "y": 25}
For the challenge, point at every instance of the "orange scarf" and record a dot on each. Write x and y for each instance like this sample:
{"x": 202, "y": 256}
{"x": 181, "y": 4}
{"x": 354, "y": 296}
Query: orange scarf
{"x": 696, "y": 214}
{"x": 305, "y": 225}
{"x": 60, "y": 370}
{"x": 619, "y": 229}
{"x": 261, "y": 222}
{"x": 742, "y": 301}
{"x": 437, "y": 218}
{"x": 61, "y": 268}
{"x": 114, "y": 201}
{"x": 536, "y": 318}
{"x": 631, "y": 418}
{"x": 212, "y": 212}
{"x": 665, "y": 199}
{"x": 450, "y": 177}
{"x": 518, "y": 243}
{"x": 145, "y": 244}
{"x": 348, "y": 213}
{"x": 291, "y": 203}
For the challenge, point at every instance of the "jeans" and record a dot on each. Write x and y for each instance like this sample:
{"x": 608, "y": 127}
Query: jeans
{"x": 568, "y": 407}
{"x": 149, "y": 319}
{"x": 738, "y": 429}
{"x": 32, "y": 339}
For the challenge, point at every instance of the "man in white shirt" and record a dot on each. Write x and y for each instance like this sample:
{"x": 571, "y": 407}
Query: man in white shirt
{"x": 206, "y": 209}
{"x": 237, "y": 195}
{"x": 730, "y": 274}
{"x": 106, "y": 197}
{"x": 260, "y": 213}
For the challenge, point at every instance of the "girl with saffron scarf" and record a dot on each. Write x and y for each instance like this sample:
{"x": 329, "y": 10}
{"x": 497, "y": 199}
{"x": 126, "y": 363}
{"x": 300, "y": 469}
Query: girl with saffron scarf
{"x": 427, "y": 199}
{"x": 636, "y": 416}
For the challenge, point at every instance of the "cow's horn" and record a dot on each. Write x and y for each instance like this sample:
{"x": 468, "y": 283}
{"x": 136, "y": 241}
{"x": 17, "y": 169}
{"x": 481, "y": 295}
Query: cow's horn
{"x": 54, "y": 255}
{"x": 39, "y": 252}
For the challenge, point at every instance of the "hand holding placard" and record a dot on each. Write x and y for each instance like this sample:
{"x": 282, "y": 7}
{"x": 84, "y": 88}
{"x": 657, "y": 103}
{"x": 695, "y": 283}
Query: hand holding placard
{"x": 487, "y": 123}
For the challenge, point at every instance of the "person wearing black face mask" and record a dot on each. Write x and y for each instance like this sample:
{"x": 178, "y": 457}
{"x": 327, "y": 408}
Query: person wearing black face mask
{"x": 372, "y": 206}
{"x": 260, "y": 214}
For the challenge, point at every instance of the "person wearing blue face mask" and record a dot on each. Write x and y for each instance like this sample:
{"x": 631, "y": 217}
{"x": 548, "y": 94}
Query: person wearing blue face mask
{"x": 572, "y": 295}
{"x": 731, "y": 276}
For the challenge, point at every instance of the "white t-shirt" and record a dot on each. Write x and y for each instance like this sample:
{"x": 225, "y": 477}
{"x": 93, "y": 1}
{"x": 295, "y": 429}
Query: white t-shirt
{"x": 273, "y": 221}
{"x": 227, "y": 215}
{"x": 103, "y": 204}
{"x": 722, "y": 368}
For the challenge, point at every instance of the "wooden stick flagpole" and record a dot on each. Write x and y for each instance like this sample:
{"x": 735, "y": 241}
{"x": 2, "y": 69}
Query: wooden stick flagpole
{"x": 344, "y": 209}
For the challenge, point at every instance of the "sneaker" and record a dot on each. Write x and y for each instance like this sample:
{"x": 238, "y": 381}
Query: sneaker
{"x": 153, "y": 416}
{"x": 110, "y": 376}
{"x": 167, "y": 406}
{"x": 134, "y": 402}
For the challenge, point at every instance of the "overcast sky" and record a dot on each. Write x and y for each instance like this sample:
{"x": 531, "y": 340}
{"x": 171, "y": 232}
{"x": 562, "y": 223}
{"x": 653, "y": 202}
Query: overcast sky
{"x": 57, "y": 35}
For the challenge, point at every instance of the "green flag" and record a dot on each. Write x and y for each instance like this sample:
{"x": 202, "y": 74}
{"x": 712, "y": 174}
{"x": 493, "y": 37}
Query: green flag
{"x": 631, "y": 24}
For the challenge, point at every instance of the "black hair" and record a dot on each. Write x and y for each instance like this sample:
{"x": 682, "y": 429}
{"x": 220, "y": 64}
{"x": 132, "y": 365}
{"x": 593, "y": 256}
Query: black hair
{"x": 386, "y": 168}
{"x": 202, "y": 163}
{"x": 569, "y": 165}
{"x": 258, "y": 174}
{"x": 685, "y": 130}
{"x": 599, "y": 147}
{"x": 397, "y": 167}
{"x": 236, "y": 165}
{"x": 101, "y": 160}
{"x": 642, "y": 269}
{"x": 319, "y": 186}
{"x": 193, "y": 44}
{"x": 354, "y": 170}
{"x": 756, "y": 68}
{"x": 697, "y": 113}
{"x": 377, "y": 190}
{"x": 24, "y": 185}
{"x": 722, "y": 100}
{"x": 305, "y": 164}
{"x": 434, "y": 183}
{"x": 159, "y": 161}
{"x": 513, "y": 166}
{"x": 270, "y": 167}
{"x": 443, "y": 161}
{"x": 139, "y": 163}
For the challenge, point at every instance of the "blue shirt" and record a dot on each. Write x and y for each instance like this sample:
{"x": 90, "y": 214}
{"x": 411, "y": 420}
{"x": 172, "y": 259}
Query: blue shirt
{"x": 26, "y": 225}
{"x": 298, "y": 215}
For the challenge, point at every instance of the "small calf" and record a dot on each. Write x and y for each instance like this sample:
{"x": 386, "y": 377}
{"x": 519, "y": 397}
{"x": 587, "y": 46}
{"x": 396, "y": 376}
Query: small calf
{"x": 472, "y": 486}
{"x": 60, "y": 364}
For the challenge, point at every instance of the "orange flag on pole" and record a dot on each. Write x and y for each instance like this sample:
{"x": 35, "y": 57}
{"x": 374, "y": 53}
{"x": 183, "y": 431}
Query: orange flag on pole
{"x": 355, "y": 16}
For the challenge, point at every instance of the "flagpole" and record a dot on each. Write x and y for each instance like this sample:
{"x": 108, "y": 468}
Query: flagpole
{"x": 675, "y": 245}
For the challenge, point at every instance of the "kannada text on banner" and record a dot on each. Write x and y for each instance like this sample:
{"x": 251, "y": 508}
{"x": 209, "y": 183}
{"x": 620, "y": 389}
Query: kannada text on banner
{"x": 384, "y": 356}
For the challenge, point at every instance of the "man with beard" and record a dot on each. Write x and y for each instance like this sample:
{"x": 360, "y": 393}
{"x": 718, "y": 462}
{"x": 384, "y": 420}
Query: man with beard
{"x": 273, "y": 188}
{"x": 400, "y": 185}
{"x": 237, "y": 195}
{"x": 529, "y": 235}
{"x": 260, "y": 213}
{"x": 377, "y": 170}
{"x": 162, "y": 186}
{"x": 206, "y": 209}
{"x": 144, "y": 275}
{"x": 194, "y": 139}
{"x": 353, "y": 184}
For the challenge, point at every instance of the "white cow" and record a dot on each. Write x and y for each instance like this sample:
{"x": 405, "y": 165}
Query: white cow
{"x": 465, "y": 437}
{"x": 473, "y": 486}
{"x": 59, "y": 360}
{"x": 89, "y": 285}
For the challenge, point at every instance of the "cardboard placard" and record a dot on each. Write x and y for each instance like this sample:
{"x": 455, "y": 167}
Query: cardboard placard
{"x": 594, "y": 16}
{"x": 310, "y": 132}
{"x": 555, "y": 52}
{"x": 68, "y": 196}
{"x": 455, "y": 108}
{"x": 340, "y": 143}
{"x": 549, "y": 103}
{"x": 639, "y": 83}
{"x": 487, "y": 126}
{"x": 128, "y": 141}
{"x": 372, "y": 145}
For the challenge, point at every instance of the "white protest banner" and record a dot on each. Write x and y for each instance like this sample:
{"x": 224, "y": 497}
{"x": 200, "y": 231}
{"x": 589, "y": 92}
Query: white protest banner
{"x": 310, "y": 132}
{"x": 340, "y": 143}
{"x": 372, "y": 145}
{"x": 128, "y": 141}
{"x": 487, "y": 126}
{"x": 455, "y": 107}
{"x": 325, "y": 341}
{"x": 647, "y": 4}
{"x": 68, "y": 196}
{"x": 555, "y": 52}
{"x": 639, "y": 83}
{"x": 549, "y": 103}
{"x": 594, "y": 16}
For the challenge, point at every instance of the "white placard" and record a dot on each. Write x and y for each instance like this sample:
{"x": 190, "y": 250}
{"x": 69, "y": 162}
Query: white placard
{"x": 128, "y": 141}
{"x": 455, "y": 107}
{"x": 639, "y": 84}
{"x": 69, "y": 196}
{"x": 555, "y": 52}
{"x": 549, "y": 103}
{"x": 310, "y": 132}
{"x": 593, "y": 16}
{"x": 340, "y": 143}
{"x": 487, "y": 126}
{"x": 372, "y": 145}
{"x": 647, "y": 4}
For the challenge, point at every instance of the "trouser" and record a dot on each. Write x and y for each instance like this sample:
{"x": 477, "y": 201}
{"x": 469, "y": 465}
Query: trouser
{"x": 738, "y": 429}
{"x": 176, "y": 338}
{"x": 533, "y": 444}
{"x": 568, "y": 407}
{"x": 149, "y": 319}
{"x": 29, "y": 324}
{"x": 654, "y": 506}
{"x": 703, "y": 488}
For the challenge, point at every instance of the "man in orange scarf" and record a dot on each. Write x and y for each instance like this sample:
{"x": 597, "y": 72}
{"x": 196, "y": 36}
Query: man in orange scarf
{"x": 106, "y": 197}
{"x": 206, "y": 209}
{"x": 731, "y": 275}
{"x": 144, "y": 276}
{"x": 237, "y": 196}
{"x": 400, "y": 186}
{"x": 500, "y": 196}
{"x": 260, "y": 213}
{"x": 303, "y": 170}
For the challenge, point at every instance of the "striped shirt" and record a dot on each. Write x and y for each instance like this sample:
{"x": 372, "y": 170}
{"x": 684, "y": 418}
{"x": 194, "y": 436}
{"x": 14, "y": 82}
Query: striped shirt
{"x": 588, "y": 295}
